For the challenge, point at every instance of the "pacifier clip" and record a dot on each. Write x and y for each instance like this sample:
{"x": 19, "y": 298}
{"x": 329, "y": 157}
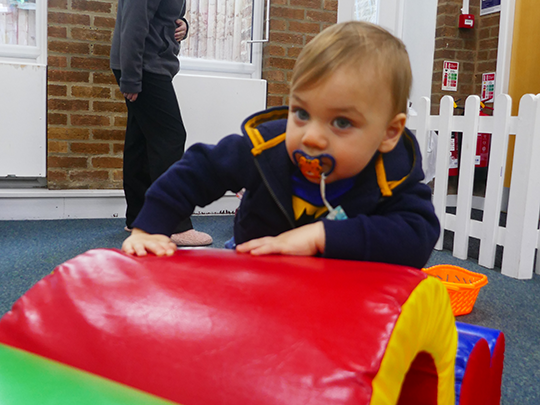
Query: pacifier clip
{"x": 337, "y": 213}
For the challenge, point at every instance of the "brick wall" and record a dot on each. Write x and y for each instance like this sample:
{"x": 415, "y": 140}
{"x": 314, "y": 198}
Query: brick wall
{"x": 488, "y": 42}
{"x": 475, "y": 50}
{"x": 86, "y": 112}
{"x": 293, "y": 23}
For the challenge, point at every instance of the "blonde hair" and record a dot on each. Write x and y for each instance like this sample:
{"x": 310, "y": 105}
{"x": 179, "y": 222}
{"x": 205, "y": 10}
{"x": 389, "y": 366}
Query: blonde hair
{"x": 356, "y": 44}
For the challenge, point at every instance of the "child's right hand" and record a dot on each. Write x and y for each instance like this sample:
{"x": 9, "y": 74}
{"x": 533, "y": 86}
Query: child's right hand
{"x": 140, "y": 243}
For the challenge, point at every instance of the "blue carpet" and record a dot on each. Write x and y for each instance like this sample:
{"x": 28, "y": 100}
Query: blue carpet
{"x": 29, "y": 250}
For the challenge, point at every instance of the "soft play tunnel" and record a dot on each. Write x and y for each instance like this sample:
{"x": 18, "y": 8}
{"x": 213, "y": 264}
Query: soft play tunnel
{"x": 215, "y": 327}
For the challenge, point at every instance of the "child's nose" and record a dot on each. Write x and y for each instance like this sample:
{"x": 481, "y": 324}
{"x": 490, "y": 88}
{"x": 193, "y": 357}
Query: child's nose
{"x": 315, "y": 137}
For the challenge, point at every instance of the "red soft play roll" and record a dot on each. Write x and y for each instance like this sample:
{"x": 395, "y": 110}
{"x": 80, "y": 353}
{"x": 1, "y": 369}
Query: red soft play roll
{"x": 217, "y": 327}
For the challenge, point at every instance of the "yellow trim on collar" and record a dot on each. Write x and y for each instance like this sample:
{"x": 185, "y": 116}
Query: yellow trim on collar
{"x": 393, "y": 184}
{"x": 254, "y": 135}
{"x": 385, "y": 185}
{"x": 257, "y": 150}
{"x": 259, "y": 144}
{"x": 381, "y": 177}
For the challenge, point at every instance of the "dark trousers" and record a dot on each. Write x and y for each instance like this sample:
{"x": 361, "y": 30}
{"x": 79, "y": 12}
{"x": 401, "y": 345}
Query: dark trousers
{"x": 155, "y": 139}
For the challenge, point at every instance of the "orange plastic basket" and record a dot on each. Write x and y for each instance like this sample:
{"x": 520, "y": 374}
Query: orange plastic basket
{"x": 462, "y": 285}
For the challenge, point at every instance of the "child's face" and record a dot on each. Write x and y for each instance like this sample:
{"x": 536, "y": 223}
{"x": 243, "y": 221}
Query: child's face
{"x": 347, "y": 116}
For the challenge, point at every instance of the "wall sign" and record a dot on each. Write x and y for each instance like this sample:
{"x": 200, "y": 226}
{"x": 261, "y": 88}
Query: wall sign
{"x": 450, "y": 76}
{"x": 488, "y": 87}
{"x": 490, "y": 6}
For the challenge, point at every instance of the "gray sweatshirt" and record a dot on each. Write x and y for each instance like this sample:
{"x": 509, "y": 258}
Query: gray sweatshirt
{"x": 144, "y": 40}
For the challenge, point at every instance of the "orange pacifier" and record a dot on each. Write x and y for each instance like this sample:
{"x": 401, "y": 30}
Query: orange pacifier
{"x": 313, "y": 167}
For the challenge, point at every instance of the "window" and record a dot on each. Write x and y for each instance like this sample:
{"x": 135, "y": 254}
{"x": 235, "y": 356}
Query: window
{"x": 18, "y": 22}
{"x": 20, "y": 25}
{"x": 219, "y": 30}
{"x": 219, "y": 35}
{"x": 366, "y": 10}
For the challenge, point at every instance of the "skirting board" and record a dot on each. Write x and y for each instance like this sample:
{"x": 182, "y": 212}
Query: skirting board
{"x": 39, "y": 204}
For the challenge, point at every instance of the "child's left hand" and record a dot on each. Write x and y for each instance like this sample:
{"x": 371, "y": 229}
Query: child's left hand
{"x": 308, "y": 240}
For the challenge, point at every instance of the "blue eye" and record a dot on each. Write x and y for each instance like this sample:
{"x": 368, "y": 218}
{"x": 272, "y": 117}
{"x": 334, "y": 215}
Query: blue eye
{"x": 302, "y": 114}
{"x": 342, "y": 123}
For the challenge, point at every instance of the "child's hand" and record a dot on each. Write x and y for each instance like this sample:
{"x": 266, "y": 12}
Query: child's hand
{"x": 140, "y": 243}
{"x": 308, "y": 240}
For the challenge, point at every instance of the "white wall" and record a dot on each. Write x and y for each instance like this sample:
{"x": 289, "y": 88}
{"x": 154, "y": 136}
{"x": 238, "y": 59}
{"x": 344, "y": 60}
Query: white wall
{"x": 419, "y": 22}
{"x": 23, "y": 112}
{"x": 413, "y": 21}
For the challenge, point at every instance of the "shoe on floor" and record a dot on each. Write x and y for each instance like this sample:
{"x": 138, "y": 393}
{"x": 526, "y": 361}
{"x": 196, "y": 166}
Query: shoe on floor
{"x": 128, "y": 229}
{"x": 230, "y": 244}
{"x": 191, "y": 238}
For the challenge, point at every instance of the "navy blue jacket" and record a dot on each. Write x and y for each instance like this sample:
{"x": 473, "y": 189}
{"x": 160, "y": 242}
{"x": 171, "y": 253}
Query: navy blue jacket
{"x": 391, "y": 217}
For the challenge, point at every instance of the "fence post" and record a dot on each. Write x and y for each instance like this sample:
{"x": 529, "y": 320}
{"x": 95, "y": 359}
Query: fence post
{"x": 422, "y": 128}
{"x": 446, "y": 112}
{"x": 466, "y": 177}
{"x": 495, "y": 180}
{"x": 524, "y": 200}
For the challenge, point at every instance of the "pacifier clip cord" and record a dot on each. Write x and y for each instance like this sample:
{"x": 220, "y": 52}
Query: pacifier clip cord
{"x": 333, "y": 213}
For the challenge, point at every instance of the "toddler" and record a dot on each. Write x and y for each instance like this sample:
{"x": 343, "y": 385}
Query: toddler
{"x": 335, "y": 174}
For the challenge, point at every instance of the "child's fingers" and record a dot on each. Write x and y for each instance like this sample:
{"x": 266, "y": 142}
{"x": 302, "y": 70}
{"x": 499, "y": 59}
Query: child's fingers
{"x": 162, "y": 248}
{"x": 261, "y": 246}
{"x": 247, "y": 247}
{"x": 139, "y": 249}
{"x": 268, "y": 249}
{"x": 127, "y": 248}
{"x": 141, "y": 245}
{"x": 170, "y": 248}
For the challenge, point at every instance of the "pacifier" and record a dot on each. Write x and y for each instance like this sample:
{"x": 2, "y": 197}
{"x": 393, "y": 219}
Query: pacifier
{"x": 313, "y": 167}
{"x": 317, "y": 169}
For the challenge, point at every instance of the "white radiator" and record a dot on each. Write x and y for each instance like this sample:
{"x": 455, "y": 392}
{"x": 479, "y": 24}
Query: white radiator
{"x": 213, "y": 107}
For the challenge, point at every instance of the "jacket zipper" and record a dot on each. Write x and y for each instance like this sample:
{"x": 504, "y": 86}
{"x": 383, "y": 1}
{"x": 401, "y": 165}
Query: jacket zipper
{"x": 281, "y": 207}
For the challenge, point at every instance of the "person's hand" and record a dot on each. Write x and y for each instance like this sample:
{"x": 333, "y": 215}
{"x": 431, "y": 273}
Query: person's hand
{"x": 181, "y": 30}
{"x": 140, "y": 243}
{"x": 308, "y": 240}
{"x": 131, "y": 96}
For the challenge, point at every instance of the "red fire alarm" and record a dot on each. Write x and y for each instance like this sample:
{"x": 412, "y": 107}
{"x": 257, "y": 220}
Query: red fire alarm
{"x": 466, "y": 21}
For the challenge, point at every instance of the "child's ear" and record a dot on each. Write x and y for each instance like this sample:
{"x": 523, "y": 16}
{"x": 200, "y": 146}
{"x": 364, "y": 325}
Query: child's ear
{"x": 393, "y": 132}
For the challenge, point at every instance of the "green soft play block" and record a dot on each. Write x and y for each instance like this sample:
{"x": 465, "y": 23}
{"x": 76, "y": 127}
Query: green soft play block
{"x": 28, "y": 379}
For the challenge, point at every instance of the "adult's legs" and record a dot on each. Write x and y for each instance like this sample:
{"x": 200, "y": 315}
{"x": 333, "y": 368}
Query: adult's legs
{"x": 135, "y": 168}
{"x": 155, "y": 139}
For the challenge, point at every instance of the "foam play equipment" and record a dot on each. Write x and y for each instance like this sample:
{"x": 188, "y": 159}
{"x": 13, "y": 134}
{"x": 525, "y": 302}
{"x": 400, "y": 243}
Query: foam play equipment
{"x": 479, "y": 365}
{"x": 216, "y": 327}
{"x": 26, "y": 378}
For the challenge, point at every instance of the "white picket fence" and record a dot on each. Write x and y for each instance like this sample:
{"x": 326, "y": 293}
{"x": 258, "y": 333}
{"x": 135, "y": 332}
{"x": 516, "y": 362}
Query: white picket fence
{"x": 520, "y": 235}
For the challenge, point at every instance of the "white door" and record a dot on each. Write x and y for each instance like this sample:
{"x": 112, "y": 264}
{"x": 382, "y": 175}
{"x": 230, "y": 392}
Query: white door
{"x": 23, "y": 89}
{"x": 219, "y": 83}
{"x": 413, "y": 21}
